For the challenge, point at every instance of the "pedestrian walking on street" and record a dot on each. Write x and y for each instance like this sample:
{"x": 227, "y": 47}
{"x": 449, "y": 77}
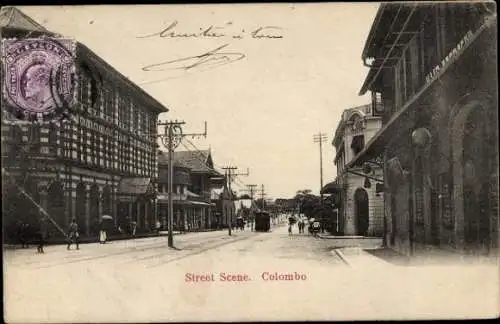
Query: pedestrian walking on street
{"x": 73, "y": 235}
{"x": 103, "y": 236}
{"x": 42, "y": 235}
{"x": 23, "y": 233}
{"x": 158, "y": 227}
{"x": 133, "y": 227}
{"x": 106, "y": 225}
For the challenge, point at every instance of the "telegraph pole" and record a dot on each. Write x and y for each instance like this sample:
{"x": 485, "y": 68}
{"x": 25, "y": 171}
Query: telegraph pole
{"x": 262, "y": 195}
{"x": 251, "y": 188}
{"x": 171, "y": 138}
{"x": 229, "y": 176}
{"x": 320, "y": 138}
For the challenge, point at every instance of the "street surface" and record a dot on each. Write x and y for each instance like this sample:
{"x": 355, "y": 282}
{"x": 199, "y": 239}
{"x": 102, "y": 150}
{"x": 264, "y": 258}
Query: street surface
{"x": 144, "y": 281}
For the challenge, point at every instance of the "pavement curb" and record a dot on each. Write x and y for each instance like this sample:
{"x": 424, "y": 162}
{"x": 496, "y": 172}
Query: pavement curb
{"x": 341, "y": 255}
{"x": 329, "y": 237}
{"x": 111, "y": 238}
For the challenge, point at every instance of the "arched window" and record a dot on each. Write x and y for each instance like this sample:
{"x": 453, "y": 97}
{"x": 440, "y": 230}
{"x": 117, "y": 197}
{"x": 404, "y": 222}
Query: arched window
{"x": 358, "y": 143}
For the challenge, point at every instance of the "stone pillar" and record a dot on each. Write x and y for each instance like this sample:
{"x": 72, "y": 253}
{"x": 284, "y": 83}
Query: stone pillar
{"x": 138, "y": 211}
{"x": 178, "y": 217}
{"x": 130, "y": 211}
{"x": 155, "y": 211}
{"x": 43, "y": 198}
{"x": 114, "y": 203}
{"x": 87, "y": 212}
{"x": 99, "y": 204}
{"x": 72, "y": 197}
{"x": 163, "y": 211}
{"x": 146, "y": 214}
{"x": 210, "y": 216}
{"x": 350, "y": 210}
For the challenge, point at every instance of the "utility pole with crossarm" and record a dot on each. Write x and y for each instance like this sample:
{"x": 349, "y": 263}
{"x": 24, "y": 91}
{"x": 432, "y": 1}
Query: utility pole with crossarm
{"x": 171, "y": 138}
{"x": 229, "y": 176}
{"x": 320, "y": 138}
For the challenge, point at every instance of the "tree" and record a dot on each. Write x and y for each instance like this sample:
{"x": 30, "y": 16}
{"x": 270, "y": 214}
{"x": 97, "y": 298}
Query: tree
{"x": 307, "y": 202}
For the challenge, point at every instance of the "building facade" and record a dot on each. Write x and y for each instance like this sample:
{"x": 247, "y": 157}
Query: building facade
{"x": 192, "y": 210}
{"x": 225, "y": 211}
{"x": 361, "y": 208}
{"x": 102, "y": 162}
{"x": 434, "y": 67}
{"x": 194, "y": 178}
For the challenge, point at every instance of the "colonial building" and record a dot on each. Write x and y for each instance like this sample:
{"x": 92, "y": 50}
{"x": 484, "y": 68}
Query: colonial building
{"x": 101, "y": 162}
{"x": 225, "y": 211}
{"x": 194, "y": 178}
{"x": 361, "y": 208}
{"x": 434, "y": 65}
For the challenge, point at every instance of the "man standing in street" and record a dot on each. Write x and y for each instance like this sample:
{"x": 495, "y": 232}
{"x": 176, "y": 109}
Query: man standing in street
{"x": 73, "y": 234}
{"x": 103, "y": 235}
{"x": 42, "y": 235}
{"x": 158, "y": 227}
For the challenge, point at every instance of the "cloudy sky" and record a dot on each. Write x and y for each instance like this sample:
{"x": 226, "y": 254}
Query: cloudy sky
{"x": 262, "y": 107}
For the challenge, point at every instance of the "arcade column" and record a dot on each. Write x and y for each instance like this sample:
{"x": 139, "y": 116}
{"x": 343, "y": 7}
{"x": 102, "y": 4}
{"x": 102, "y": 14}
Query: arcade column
{"x": 87, "y": 212}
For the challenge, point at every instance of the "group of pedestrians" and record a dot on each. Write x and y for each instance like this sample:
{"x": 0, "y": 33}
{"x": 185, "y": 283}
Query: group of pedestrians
{"x": 302, "y": 222}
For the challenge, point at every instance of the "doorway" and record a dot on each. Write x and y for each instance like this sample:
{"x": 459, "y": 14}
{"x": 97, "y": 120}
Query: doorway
{"x": 476, "y": 171}
{"x": 361, "y": 211}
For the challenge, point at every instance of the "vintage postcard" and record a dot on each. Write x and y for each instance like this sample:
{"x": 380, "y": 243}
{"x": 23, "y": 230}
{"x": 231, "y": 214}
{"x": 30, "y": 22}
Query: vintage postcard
{"x": 250, "y": 162}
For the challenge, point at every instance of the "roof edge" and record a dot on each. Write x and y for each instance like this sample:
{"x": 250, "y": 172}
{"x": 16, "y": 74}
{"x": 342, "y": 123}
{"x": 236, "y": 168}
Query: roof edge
{"x": 147, "y": 98}
{"x": 373, "y": 28}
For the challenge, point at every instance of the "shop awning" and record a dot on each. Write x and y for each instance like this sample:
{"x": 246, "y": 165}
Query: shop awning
{"x": 191, "y": 194}
{"x": 200, "y": 203}
{"x": 135, "y": 186}
{"x": 184, "y": 202}
{"x": 401, "y": 120}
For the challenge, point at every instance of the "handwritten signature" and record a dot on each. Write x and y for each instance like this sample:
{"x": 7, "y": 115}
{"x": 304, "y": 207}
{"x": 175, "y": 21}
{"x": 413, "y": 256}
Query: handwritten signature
{"x": 265, "y": 32}
{"x": 209, "y": 59}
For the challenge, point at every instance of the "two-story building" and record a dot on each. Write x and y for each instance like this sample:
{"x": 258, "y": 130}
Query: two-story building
{"x": 434, "y": 65}
{"x": 194, "y": 178}
{"x": 361, "y": 208}
{"x": 101, "y": 162}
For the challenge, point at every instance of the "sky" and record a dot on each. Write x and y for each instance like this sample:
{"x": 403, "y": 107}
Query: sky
{"x": 265, "y": 104}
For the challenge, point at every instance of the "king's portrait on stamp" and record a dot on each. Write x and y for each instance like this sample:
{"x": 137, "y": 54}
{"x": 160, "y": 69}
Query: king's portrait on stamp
{"x": 250, "y": 162}
{"x": 39, "y": 77}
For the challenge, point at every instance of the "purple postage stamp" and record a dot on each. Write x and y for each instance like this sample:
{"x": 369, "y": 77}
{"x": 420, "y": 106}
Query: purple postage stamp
{"x": 39, "y": 77}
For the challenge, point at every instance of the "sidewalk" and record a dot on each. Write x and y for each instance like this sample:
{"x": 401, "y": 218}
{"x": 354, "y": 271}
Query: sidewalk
{"x": 358, "y": 257}
{"x": 95, "y": 239}
{"x": 330, "y": 236}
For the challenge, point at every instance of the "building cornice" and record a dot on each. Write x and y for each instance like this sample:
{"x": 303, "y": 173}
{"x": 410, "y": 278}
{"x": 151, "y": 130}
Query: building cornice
{"x": 85, "y": 54}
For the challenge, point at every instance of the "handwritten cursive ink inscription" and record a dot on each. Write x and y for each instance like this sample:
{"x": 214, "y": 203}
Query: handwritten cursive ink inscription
{"x": 215, "y": 32}
{"x": 211, "y": 59}
{"x": 170, "y": 32}
{"x": 259, "y": 32}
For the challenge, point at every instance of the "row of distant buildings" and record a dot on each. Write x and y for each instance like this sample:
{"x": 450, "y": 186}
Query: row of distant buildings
{"x": 106, "y": 160}
{"x": 419, "y": 164}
